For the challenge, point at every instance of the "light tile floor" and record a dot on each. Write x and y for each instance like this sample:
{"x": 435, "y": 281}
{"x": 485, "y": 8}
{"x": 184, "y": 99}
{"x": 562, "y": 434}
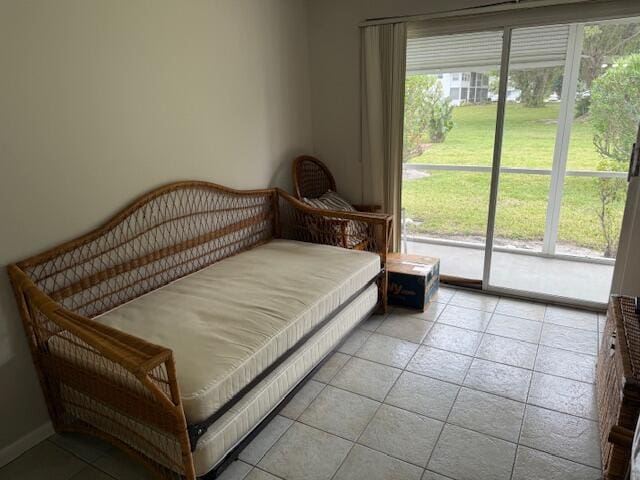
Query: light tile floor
{"x": 475, "y": 388}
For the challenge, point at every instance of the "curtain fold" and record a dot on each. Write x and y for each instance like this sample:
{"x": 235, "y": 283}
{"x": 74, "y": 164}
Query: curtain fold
{"x": 383, "y": 67}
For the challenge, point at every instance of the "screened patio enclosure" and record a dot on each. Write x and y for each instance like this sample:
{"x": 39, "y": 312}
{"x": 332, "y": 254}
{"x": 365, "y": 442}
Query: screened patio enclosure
{"x": 518, "y": 172}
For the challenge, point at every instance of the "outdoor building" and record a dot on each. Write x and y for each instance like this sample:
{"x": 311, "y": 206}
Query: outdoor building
{"x": 465, "y": 87}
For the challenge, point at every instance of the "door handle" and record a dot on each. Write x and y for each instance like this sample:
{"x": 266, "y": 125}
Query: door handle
{"x": 634, "y": 163}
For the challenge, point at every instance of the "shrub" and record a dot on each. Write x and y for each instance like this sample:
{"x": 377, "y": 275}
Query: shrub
{"x": 614, "y": 116}
{"x": 427, "y": 114}
{"x": 440, "y": 117}
{"x": 615, "y": 108}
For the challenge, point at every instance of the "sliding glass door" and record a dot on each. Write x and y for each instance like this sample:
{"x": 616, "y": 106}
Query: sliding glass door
{"x": 450, "y": 122}
{"x": 516, "y": 148}
{"x": 565, "y": 150}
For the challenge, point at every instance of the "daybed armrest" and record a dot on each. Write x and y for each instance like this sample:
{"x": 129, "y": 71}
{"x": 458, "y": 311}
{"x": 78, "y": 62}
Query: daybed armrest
{"x": 97, "y": 377}
{"x": 367, "y": 208}
{"x": 366, "y": 231}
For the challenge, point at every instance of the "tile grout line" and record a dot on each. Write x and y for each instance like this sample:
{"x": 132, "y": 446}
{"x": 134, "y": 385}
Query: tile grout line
{"x": 532, "y": 370}
{"x": 470, "y": 356}
{"x": 526, "y": 403}
{"x": 493, "y": 313}
{"x": 293, "y": 421}
{"x": 404, "y": 369}
{"x": 387, "y": 394}
{"x": 459, "y": 386}
{"x": 446, "y": 421}
{"x": 381, "y": 403}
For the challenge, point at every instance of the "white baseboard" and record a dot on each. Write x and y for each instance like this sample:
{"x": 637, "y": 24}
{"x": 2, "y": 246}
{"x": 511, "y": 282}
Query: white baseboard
{"x": 24, "y": 443}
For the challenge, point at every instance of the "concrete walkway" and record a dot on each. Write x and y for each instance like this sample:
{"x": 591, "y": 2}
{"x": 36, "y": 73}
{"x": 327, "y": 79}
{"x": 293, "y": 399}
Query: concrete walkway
{"x": 550, "y": 276}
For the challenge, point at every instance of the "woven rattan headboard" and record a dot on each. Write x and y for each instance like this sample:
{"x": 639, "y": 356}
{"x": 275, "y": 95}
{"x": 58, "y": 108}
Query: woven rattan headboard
{"x": 164, "y": 235}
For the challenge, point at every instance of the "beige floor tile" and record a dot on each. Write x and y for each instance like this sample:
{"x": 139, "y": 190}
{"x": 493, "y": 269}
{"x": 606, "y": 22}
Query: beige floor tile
{"x": 466, "y": 455}
{"x": 566, "y": 436}
{"x": 86, "y": 447}
{"x": 440, "y": 364}
{"x": 90, "y": 473}
{"x": 571, "y": 317}
{"x": 507, "y": 350}
{"x": 119, "y": 465}
{"x": 253, "y": 452}
{"x": 427, "y": 475}
{"x": 335, "y": 362}
{"x": 366, "y": 378}
{"x": 516, "y": 328}
{"x": 305, "y": 453}
{"x": 236, "y": 471}
{"x": 443, "y": 295}
{"x": 406, "y": 327}
{"x": 453, "y": 339}
{"x": 562, "y": 363}
{"x": 388, "y": 350}
{"x": 433, "y": 311}
{"x": 302, "y": 399}
{"x": 340, "y": 412}
{"x": 572, "y": 339}
{"x": 462, "y": 317}
{"x": 45, "y": 460}
{"x": 401, "y": 434}
{"x": 499, "y": 379}
{"x": 533, "y": 464}
{"x": 366, "y": 464}
{"x": 563, "y": 395}
{"x": 487, "y": 413}
{"x": 423, "y": 395}
{"x": 257, "y": 474}
{"x": 476, "y": 300}
{"x": 373, "y": 322}
{"x": 521, "y": 309}
{"x": 354, "y": 341}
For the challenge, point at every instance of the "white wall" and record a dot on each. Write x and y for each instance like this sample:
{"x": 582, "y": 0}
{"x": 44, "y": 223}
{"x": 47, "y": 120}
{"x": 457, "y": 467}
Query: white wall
{"x": 102, "y": 100}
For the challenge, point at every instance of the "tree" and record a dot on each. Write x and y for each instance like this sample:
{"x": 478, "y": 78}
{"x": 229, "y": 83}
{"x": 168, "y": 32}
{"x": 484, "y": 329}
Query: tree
{"x": 604, "y": 42}
{"x": 614, "y": 116}
{"x": 427, "y": 114}
{"x": 615, "y": 108}
{"x": 535, "y": 84}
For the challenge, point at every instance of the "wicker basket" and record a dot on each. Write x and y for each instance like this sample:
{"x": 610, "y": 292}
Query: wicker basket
{"x": 618, "y": 385}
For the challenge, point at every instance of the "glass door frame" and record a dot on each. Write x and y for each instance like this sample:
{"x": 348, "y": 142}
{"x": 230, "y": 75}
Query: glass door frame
{"x": 558, "y": 170}
{"x": 558, "y": 173}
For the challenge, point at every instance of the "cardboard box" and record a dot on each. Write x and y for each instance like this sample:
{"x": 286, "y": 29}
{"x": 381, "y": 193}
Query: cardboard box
{"x": 413, "y": 280}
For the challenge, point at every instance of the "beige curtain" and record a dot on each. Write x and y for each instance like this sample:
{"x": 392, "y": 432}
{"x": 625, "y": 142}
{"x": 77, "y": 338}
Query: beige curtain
{"x": 383, "y": 66}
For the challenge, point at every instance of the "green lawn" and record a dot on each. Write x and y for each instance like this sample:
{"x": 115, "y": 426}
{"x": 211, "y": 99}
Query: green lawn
{"x": 455, "y": 203}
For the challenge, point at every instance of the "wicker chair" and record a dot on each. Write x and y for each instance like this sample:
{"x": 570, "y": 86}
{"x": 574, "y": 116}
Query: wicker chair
{"x": 312, "y": 179}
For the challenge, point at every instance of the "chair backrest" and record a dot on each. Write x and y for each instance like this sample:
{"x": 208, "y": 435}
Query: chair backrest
{"x": 311, "y": 177}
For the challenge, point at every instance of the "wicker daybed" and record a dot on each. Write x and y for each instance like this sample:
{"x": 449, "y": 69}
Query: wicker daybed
{"x": 180, "y": 327}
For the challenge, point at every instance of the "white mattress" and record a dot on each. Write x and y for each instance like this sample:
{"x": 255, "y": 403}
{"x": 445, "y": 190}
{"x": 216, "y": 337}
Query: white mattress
{"x": 228, "y": 322}
{"x": 234, "y": 425}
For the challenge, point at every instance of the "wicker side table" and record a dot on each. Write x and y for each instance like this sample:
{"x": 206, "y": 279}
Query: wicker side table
{"x": 618, "y": 386}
